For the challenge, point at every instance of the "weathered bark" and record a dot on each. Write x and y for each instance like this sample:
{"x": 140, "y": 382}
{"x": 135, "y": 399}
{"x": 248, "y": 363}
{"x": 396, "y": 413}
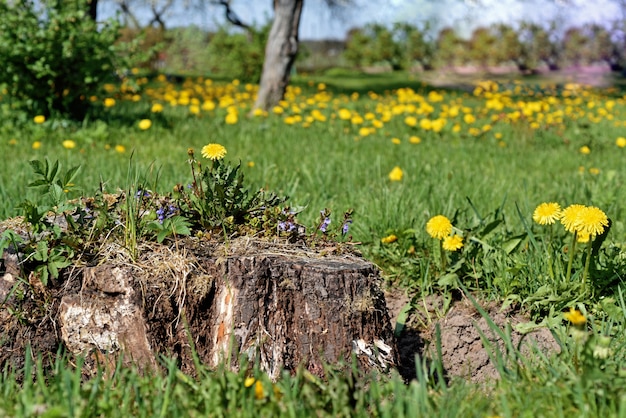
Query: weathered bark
{"x": 280, "y": 53}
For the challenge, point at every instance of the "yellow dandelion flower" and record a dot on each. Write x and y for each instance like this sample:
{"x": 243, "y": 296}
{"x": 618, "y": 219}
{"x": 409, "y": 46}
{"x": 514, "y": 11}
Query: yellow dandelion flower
{"x": 344, "y": 114}
{"x": 259, "y": 393}
{"x": 36, "y": 144}
{"x": 396, "y": 141}
{"x": 145, "y": 124}
{"x": 250, "y": 164}
{"x": 396, "y": 174}
{"x": 620, "y": 142}
{"x": 39, "y": 119}
{"x": 249, "y": 382}
{"x": 592, "y": 221}
{"x": 231, "y": 118}
{"x": 582, "y": 237}
{"x": 194, "y": 109}
{"x": 109, "y": 102}
{"x": 547, "y": 213}
{"x": 68, "y": 144}
{"x": 12, "y": 141}
{"x": 414, "y": 139}
{"x": 213, "y": 151}
{"x": 208, "y": 105}
{"x": 439, "y": 227}
{"x": 389, "y": 239}
{"x": 157, "y": 108}
{"x": 120, "y": 148}
{"x": 575, "y": 317}
{"x": 569, "y": 217}
{"x": 410, "y": 121}
{"x": 594, "y": 171}
{"x": 585, "y": 150}
{"x": 452, "y": 243}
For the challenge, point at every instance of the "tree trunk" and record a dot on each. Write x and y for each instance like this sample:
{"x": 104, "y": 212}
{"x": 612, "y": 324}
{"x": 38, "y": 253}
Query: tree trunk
{"x": 280, "y": 53}
{"x": 93, "y": 9}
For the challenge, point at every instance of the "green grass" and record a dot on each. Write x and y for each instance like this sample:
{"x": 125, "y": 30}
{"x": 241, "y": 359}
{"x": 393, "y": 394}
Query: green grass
{"x": 488, "y": 182}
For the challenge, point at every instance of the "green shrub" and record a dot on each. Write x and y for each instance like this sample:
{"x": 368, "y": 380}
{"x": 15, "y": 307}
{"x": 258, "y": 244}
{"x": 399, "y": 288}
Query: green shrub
{"x": 54, "y": 56}
{"x": 238, "y": 55}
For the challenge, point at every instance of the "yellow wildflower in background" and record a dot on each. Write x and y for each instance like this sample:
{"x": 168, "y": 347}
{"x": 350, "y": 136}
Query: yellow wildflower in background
{"x": 36, "y": 144}
{"x": 249, "y": 382}
{"x": 213, "y": 151}
{"x": 452, "y": 243}
{"x": 592, "y": 221}
{"x": 109, "y": 102}
{"x": 569, "y": 217}
{"x": 68, "y": 144}
{"x": 259, "y": 393}
{"x": 547, "y": 213}
{"x": 396, "y": 174}
{"x": 439, "y": 227}
{"x": 410, "y": 121}
{"x": 39, "y": 119}
{"x": 120, "y": 148}
{"x": 231, "y": 118}
{"x": 414, "y": 140}
{"x": 620, "y": 142}
{"x": 585, "y": 150}
{"x": 145, "y": 124}
{"x": 389, "y": 239}
{"x": 344, "y": 114}
{"x": 575, "y": 317}
{"x": 157, "y": 108}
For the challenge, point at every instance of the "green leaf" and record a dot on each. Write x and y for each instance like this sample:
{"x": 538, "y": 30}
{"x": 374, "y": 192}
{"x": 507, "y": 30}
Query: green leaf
{"x": 449, "y": 279}
{"x": 402, "y": 317}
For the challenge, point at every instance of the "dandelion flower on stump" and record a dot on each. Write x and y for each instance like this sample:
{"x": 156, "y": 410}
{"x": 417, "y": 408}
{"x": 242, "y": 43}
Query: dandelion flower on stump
{"x": 453, "y": 243}
{"x": 592, "y": 221}
{"x": 213, "y": 151}
{"x": 439, "y": 227}
{"x": 569, "y": 217}
{"x": 547, "y": 213}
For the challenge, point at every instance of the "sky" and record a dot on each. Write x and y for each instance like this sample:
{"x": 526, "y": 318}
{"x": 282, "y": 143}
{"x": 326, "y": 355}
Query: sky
{"x": 318, "y": 22}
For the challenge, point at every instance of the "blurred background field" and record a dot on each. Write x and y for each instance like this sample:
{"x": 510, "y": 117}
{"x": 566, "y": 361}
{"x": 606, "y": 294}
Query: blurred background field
{"x": 397, "y": 121}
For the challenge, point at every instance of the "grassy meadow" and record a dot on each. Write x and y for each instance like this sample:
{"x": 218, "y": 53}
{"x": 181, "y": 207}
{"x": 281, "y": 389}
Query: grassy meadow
{"x": 398, "y": 153}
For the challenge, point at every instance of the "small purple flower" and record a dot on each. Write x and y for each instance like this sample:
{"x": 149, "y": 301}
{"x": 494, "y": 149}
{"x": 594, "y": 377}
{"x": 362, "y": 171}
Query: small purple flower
{"x": 324, "y": 225}
{"x": 286, "y": 226}
{"x": 346, "y": 227}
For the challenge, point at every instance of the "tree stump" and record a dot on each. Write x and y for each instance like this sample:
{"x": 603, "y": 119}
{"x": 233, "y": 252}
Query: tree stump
{"x": 276, "y": 303}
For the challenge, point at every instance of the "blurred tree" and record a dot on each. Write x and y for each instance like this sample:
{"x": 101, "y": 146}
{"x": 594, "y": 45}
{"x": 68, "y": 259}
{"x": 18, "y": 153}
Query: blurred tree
{"x": 482, "y": 47}
{"x": 575, "y": 47}
{"x": 507, "y": 47}
{"x": 450, "y": 49}
{"x": 415, "y": 44}
{"x": 539, "y": 45}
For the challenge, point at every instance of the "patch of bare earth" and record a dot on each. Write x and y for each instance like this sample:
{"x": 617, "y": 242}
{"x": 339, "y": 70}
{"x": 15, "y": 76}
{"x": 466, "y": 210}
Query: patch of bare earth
{"x": 463, "y": 352}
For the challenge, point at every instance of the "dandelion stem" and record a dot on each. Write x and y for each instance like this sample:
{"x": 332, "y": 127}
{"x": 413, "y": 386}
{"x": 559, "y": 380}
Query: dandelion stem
{"x": 442, "y": 253}
{"x": 587, "y": 262}
{"x": 548, "y": 247}
{"x": 568, "y": 274}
